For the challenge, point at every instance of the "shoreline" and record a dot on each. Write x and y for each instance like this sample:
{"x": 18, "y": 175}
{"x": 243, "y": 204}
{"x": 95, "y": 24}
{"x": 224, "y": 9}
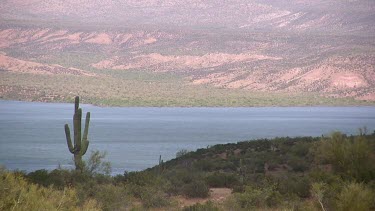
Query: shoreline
{"x": 360, "y": 104}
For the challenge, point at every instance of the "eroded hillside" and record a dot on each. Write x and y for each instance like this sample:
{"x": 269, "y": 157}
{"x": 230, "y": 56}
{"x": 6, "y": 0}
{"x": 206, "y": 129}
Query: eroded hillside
{"x": 265, "y": 46}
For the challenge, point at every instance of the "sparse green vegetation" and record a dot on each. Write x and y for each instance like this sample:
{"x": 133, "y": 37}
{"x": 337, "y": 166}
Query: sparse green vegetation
{"x": 260, "y": 174}
{"x": 149, "y": 89}
{"x": 16, "y": 193}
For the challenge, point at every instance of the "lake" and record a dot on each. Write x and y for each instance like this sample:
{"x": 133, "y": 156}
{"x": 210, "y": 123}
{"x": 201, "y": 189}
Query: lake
{"x": 32, "y": 134}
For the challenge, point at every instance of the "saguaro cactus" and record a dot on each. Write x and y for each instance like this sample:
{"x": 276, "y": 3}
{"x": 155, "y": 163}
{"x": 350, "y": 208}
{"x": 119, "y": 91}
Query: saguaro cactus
{"x": 160, "y": 166}
{"x": 242, "y": 172}
{"x": 80, "y": 142}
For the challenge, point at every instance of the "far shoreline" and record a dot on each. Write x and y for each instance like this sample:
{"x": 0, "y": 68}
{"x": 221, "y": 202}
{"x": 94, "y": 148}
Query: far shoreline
{"x": 355, "y": 103}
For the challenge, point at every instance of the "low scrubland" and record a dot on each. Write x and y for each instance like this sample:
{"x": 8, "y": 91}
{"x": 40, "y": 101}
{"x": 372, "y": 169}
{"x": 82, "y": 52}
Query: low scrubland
{"x": 335, "y": 172}
{"x": 129, "y": 89}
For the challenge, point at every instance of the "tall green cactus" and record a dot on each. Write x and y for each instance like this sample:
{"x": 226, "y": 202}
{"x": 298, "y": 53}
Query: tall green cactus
{"x": 160, "y": 166}
{"x": 242, "y": 172}
{"x": 80, "y": 143}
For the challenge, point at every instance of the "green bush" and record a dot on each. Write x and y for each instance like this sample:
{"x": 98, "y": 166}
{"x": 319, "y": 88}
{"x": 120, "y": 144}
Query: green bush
{"x": 355, "y": 196}
{"x": 196, "y": 189}
{"x": 152, "y": 197}
{"x": 301, "y": 149}
{"x": 258, "y": 197}
{"x": 40, "y": 177}
{"x": 208, "y": 206}
{"x": 219, "y": 180}
{"x": 96, "y": 164}
{"x": 181, "y": 153}
{"x": 298, "y": 164}
{"x": 204, "y": 165}
{"x": 351, "y": 157}
{"x": 299, "y": 186}
{"x": 110, "y": 197}
{"x": 178, "y": 178}
{"x": 17, "y": 194}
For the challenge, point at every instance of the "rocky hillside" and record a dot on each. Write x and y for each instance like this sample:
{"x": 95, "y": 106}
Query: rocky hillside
{"x": 325, "y": 46}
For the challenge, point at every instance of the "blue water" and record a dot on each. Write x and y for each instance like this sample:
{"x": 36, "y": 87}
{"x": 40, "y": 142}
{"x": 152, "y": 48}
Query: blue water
{"x": 32, "y": 134}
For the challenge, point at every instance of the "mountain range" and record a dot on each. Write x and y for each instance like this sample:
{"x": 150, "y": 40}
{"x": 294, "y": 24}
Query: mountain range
{"x": 324, "y": 47}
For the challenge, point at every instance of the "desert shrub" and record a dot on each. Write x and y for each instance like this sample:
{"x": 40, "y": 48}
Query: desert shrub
{"x": 298, "y": 164}
{"x": 153, "y": 197}
{"x": 299, "y": 186}
{"x": 178, "y": 178}
{"x": 150, "y": 196}
{"x": 219, "y": 180}
{"x": 352, "y": 158}
{"x": 196, "y": 189}
{"x": 61, "y": 178}
{"x": 318, "y": 191}
{"x": 225, "y": 166}
{"x": 143, "y": 178}
{"x": 355, "y": 196}
{"x": 208, "y": 206}
{"x": 238, "y": 189}
{"x": 96, "y": 164}
{"x": 301, "y": 149}
{"x": 138, "y": 182}
{"x": 95, "y": 170}
{"x": 181, "y": 153}
{"x": 40, "y": 177}
{"x": 109, "y": 196}
{"x": 258, "y": 197}
{"x": 306, "y": 205}
{"x": 204, "y": 165}
{"x": 17, "y": 194}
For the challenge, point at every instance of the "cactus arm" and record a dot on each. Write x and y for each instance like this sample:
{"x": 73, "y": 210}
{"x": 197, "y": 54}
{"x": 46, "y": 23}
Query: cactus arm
{"x": 79, "y": 140}
{"x": 87, "y": 124}
{"x": 77, "y": 129}
{"x": 85, "y": 145}
{"x": 85, "y": 142}
{"x": 68, "y": 139}
{"x": 76, "y": 104}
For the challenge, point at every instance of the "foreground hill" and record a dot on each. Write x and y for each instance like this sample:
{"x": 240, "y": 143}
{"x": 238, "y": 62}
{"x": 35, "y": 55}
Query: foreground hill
{"x": 323, "y": 48}
{"x": 336, "y": 172}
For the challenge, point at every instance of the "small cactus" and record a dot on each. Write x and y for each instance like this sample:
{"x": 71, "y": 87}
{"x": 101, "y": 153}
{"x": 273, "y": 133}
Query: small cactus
{"x": 80, "y": 143}
{"x": 242, "y": 172}
{"x": 160, "y": 166}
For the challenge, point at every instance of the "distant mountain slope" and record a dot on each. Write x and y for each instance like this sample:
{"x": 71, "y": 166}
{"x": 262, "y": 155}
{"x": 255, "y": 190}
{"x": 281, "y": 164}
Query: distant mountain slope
{"x": 338, "y": 66}
{"x": 323, "y": 46}
{"x": 301, "y": 15}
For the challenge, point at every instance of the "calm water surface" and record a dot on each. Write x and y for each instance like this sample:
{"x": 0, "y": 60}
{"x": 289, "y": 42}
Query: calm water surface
{"x": 32, "y": 134}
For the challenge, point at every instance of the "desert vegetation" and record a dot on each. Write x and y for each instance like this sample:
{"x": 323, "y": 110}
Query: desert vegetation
{"x": 148, "y": 89}
{"x": 335, "y": 172}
